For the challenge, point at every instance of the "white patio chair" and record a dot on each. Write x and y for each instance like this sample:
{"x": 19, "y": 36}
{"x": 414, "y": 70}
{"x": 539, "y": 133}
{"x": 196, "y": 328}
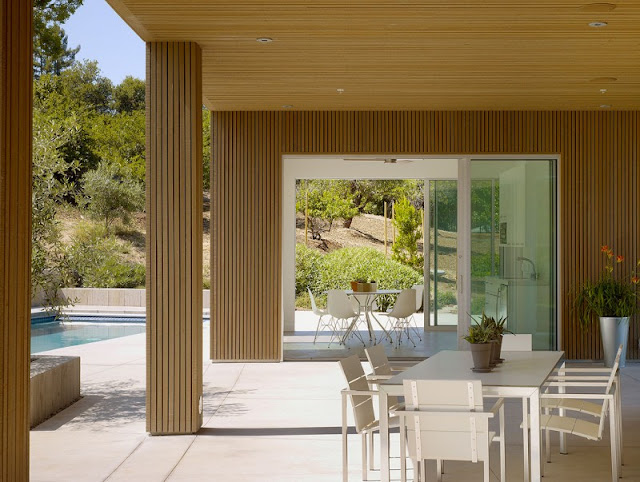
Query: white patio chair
{"x": 360, "y": 394}
{"x": 382, "y": 370}
{"x": 403, "y": 309}
{"x": 445, "y": 420}
{"x": 519, "y": 342}
{"x": 419, "y": 302}
{"x": 343, "y": 314}
{"x": 588, "y": 379}
{"x": 320, "y": 314}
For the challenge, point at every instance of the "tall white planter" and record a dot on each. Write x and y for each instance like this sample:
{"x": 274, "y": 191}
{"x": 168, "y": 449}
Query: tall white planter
{"x": 614, "y": 332}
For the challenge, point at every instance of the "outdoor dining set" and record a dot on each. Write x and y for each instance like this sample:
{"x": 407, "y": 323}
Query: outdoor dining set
{"x": 349, "y": 310}
{"x": 450, "y": 413}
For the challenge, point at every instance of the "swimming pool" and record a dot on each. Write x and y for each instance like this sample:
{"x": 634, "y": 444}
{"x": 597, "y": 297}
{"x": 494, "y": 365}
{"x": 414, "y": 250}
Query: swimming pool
{"x": 47, "y": 333}
{"x": 52, "y": 335}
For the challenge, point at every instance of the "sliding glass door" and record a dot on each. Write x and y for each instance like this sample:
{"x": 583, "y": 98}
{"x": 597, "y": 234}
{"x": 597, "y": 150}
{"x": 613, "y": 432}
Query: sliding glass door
{"x": 513, "y": 263}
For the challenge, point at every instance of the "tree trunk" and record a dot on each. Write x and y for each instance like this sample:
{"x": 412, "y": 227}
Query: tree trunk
{"x": 347, "y": 223}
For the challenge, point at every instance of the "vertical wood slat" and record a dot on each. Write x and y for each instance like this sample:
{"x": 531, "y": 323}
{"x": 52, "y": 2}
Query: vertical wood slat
{"x": 15, "y": 235}
{"x": 598, "y": 194}
{"x": 174, "y": 237}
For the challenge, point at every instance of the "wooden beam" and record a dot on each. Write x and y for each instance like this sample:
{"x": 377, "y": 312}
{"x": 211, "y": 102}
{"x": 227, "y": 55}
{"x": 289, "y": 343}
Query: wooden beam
{"x": 174, "y": 237}
{"x": 15, "y": 235}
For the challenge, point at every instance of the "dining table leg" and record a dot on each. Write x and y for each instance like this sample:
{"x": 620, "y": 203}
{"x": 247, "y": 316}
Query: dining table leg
{"x": 384, "y": 436}
{"x": 534, "y": 409}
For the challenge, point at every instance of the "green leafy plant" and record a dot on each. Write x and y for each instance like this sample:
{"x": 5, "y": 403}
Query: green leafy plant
{"x": 479, "y": 333}
{"x": 407, "y": 221}
{"x": 613, "y": 294}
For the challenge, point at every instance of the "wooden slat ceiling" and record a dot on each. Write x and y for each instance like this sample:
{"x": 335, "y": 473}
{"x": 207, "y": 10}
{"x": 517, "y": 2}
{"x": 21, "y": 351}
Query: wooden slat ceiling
{"x": 388, "y": 54}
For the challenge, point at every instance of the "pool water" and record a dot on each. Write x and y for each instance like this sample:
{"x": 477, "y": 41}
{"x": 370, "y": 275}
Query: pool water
{"x": 49, "y": 336}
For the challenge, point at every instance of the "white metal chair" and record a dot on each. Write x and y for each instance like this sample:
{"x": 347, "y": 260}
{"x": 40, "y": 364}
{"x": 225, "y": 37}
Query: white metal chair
{"x": 445, "y": 420}
{"x": 419, "y": 302}
{"x": 343, "y": 314}
{"x": 588, "y": 379}
{"x": 382, "y": 370}
{"x": 319, "y": 313}
{"x": 403, "y": 309}
{"x": 519, "y": 342}
{"x": 363, "y": 414}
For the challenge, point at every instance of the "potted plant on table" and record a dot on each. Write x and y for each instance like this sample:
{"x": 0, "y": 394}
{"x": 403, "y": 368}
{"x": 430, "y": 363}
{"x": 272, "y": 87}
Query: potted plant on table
{"x": 480, "y": 338}
{"x": 613, "y": 298}
{"x": 499, "y": 329}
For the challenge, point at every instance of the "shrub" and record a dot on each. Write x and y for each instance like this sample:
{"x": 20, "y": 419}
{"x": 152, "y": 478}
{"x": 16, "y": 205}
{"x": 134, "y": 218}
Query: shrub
{"x": 405, "y": 248}
{"x": 308, "y": 264}
{"x": 110, "y": 194}
{"x": 97, "y": 261}
{"x": 446, "y": 298}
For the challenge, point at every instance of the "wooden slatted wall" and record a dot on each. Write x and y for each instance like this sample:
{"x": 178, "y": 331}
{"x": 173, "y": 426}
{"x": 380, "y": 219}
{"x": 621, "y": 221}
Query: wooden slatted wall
{"x": 599, "y": 198}
{"x": 15, "y": 236}
{"x": 174, "y": 242}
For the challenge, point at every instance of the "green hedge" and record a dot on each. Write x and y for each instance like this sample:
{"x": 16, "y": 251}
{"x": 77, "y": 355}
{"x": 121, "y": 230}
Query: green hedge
{"x": 338, "y": 268}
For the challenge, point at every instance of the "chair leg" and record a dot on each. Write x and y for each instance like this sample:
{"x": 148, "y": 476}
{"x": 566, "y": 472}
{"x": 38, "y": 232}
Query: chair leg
{"x": 423, "y": 470}
{"x": 485, "y": 465}
{"x": 613, "y": 435}
{"x": 345, "y": 465}
{"x": 618, "y": 399}
{"x": 371, "y": 450}
{"x": 525, "y": 438}
{"x": 364, "y": 456}
{"x": 503, "y": 459}
{"x": 439, "y": 470}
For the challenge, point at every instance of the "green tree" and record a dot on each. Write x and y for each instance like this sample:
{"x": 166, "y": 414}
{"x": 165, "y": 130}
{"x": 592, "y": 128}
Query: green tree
{"x": 129, "y": 95}
{"x": 50, "y": 185}
{"x": 51, "y": 54}
{"x": 327, "y": 201}
{"x": 109, "y": 194}
{"x": 407, "y": 221}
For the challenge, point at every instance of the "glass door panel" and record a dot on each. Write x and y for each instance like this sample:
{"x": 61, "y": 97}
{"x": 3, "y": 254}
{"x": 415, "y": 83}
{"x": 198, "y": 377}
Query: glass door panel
{"x": 513, "y": 245}
{"x": 443, "y": 250}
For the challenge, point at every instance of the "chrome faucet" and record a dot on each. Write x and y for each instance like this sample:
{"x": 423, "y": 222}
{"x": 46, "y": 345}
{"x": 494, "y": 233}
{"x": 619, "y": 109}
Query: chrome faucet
{"x": 534, "y": 274}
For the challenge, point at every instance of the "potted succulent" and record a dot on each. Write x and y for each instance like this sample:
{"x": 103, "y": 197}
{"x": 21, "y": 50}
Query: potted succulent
{"x": 499, "y": 329}
{"x": 613, "y": 298}
{"x": 480, "y": 339}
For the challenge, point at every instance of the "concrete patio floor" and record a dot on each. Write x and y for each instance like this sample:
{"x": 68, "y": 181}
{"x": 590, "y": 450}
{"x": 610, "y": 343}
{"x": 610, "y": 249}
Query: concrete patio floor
{"x": 262, "y": 422}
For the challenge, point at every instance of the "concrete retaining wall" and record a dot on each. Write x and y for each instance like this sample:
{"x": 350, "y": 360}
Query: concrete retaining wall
{"x": 55, "y": 384}
{"x": 114, "y": 297}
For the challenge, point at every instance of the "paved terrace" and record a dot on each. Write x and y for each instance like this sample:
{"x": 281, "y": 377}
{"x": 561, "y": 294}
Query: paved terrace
{"x": 262, "y": 422}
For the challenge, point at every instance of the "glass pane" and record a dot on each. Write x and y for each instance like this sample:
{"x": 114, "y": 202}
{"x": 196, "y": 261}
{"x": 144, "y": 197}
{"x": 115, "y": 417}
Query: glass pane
{"x": 443, "y": 232}
{"x": 513, "y": 245}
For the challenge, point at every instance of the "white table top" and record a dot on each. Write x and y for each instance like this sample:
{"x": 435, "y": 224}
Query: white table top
{"x": 374, "y": 293}
{"x": 520, "y": 369}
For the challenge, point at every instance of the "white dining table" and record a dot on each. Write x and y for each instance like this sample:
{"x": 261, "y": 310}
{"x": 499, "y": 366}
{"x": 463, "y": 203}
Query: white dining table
{"x": 365, "y": 300}
{"x": 521, "y": 375}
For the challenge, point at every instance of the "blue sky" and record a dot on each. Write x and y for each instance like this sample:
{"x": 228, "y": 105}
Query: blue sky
{"x": 103, "y": 36}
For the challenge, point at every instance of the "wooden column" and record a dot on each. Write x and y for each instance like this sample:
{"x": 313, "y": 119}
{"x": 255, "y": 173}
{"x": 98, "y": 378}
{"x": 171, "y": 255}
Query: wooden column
{"x": 174, "y": 237}
{"x": 15, "y": 236}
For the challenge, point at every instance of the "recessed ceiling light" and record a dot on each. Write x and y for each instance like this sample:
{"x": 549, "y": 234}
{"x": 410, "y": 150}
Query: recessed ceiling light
{"x": 603, "y": 91}
{"x": 598, "y": 24}
{"x": 340, "y": 91}
{"x": 264, "y": 40}
{"x": 287, "y": 106}
{"x": 605, "y": 106}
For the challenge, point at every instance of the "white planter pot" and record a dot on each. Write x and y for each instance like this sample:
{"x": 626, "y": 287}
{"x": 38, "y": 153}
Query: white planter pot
{"x": 614, "y": 332}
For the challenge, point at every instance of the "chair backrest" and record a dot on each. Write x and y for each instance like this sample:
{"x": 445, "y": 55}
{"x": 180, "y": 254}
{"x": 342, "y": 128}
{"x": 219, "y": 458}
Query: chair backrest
{"x": 612, "y": 377}
{"x": 339, "y": 305}
{"x": 405, "y": 305}
{"x": 362, "y": 405}
{"x": 449, "y": 422}
{"x": 419, "y": 296}
{"x": 378, "y": 359}
{"x": 314, "y": 306}
{"x": 519, "y": 342}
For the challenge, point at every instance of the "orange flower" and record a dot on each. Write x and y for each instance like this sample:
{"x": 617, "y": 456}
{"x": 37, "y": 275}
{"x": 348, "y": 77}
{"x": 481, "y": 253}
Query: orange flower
{"x": 635, "y": 280}
{"x": 619, "y": 258}
{"x": 604, "y": 249}
{"x": 609, "y": 254}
